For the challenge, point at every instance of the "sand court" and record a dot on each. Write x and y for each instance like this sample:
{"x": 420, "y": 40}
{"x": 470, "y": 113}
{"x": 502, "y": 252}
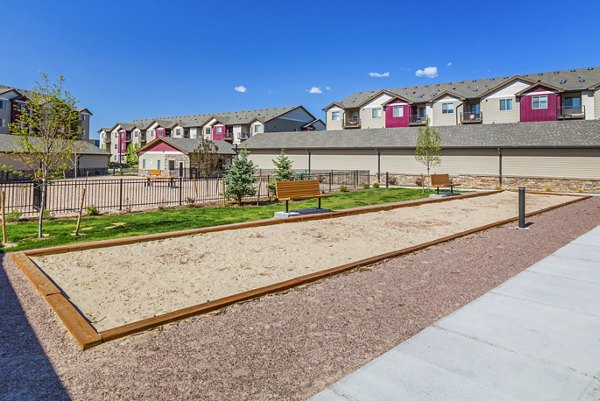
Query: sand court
{"x": 117, "y": 285}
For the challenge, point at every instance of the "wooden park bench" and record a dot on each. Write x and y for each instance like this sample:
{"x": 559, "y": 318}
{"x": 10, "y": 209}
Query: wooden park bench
{"x": 442, "y": 181}
{"x": 298, "y": 190}
{"x": 156, "y": 176}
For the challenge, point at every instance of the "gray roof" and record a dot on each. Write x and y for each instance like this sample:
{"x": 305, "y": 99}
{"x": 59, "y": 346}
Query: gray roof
{"x": 190, "y": 144}
{"x": 567, "y": 80}
{"x": 228, "y": 117}
{"x": 9, "y": 144}
{"x": 558, "y": 134}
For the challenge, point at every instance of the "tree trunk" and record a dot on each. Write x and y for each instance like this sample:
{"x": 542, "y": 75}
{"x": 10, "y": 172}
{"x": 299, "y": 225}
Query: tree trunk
{"x": 42, "y": 208}
{"x": 428, "y": 178}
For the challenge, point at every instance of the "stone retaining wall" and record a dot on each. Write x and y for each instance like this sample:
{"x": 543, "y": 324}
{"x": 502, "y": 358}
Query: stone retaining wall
{"x": 492, "y": 182}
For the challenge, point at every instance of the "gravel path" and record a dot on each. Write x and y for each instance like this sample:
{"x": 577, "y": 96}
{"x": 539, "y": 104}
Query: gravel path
{"x": 282, "y": 347}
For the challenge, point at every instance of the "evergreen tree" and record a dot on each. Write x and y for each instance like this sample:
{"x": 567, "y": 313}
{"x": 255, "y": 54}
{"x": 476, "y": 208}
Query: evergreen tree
{"x": 240, "y": 178}
{"x": 429, "y": 149}
{"x": 283, "y": 170}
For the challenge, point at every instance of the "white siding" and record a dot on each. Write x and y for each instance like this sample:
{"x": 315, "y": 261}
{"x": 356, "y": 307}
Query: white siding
{"x": 587, "y": 101}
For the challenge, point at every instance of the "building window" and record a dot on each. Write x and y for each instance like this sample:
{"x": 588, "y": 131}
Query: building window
{"x": 2, "y": 122}
{"x": 2, "y": 104}
{"x": 539, "y": 102}
{"x": 83, "y": 116}
{"x": 115, "y": 146}
{"x": 219, "y": 130}
{"x": 572, "y": 103}
{"x": 335, "y": 116}
{"x": 447, "y": 108}
{"x": 178, "y": 131}
{"x": 505, "y": 104}
{"x": 151, "y": 133}
{"x": 398, "y": 111}
{"x": 158, "y": 164}
{"x": 257, "y": 129}
{"x": 376, "y": 113}
{"x": 144, "y": 164}
{"x": 21, "y": 106}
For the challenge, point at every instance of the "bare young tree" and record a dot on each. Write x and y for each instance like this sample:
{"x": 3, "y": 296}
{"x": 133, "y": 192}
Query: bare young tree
{"x": 206, "y": 158}
{"x": 429, "y": 149}
{"x": 47, "y": 130}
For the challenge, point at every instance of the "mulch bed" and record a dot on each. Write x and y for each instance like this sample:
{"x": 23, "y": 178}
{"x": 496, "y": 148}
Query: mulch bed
{"x": 282, "y": 347}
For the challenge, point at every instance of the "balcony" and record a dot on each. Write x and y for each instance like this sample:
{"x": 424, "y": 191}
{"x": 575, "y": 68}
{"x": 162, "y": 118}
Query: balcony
{"x": 228, "y": 136}
{"x": 352, "y": 122}
{"x": 571, "y": 113}
{"x": 471, "y": 117}
{"x": 244, "y": 135}
{"x": 415, "y": 119}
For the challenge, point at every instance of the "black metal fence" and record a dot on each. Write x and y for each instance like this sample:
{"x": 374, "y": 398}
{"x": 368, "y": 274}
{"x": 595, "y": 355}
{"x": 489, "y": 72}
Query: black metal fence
{"x": 138, "y": 193}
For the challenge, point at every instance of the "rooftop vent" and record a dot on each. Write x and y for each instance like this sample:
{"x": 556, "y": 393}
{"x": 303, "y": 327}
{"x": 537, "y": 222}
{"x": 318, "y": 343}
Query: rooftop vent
{"x": 556, "y": 72}
{"x": 590, "y": 68}
{"x": 505, "y": 77}
{"x": 525, "y": 75}
{"x": 572, "y": 70}
{"x": 475, "y": 90}
{"x": 582, "y": 80}
{"x": 492, "y": 79}
{"x": 563, "y": 81}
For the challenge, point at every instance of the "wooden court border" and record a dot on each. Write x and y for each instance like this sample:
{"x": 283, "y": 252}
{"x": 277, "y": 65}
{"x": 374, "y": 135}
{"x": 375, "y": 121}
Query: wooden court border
{"x": 86, "y": 335}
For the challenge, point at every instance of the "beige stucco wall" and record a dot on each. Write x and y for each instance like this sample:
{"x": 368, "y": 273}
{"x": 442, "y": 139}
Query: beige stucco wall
{"x": 441, "y": 119}
{"x": 358, "y": 159}
{"x": 331, "y": 124}
{"x": 366, "y": 112}
{"x": 588, "y": 102}
{"x": 597, "y": 104}
{"x": 490, "y": 104}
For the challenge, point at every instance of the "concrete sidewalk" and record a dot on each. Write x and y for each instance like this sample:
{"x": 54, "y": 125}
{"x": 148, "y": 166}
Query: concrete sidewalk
{"x": 535, "y": 337}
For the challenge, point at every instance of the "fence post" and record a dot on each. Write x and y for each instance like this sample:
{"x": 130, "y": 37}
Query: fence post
{"x": 180, "y": 191}
{"x": 223, "y": 187}
{"x": 387, "y": 178}
{"x": 330, "y": 179}
{"x": 120, "y": 194}
{"x": 3, "y": 201}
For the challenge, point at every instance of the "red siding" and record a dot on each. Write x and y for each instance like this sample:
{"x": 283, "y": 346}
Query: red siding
{"x": 218, "y": 136}
{"x": 161, "y": 147}
{"x": 528, "y": 114}
{"x": 393, "y": 122}
{"x": 122, "y": 142}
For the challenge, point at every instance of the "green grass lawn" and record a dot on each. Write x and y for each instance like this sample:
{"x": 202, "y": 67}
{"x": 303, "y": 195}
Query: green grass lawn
{"x": 60, "y": 231}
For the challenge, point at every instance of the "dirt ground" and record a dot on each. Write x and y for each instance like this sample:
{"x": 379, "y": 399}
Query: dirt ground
{"x": 123, "y": 284}
{"x": 287, "y": 346}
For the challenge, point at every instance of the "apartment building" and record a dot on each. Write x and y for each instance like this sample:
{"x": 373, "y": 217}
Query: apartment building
{"x": 547, "y": 96}
{"x": 233, "y": 127}
{"x": 12, "y": 102}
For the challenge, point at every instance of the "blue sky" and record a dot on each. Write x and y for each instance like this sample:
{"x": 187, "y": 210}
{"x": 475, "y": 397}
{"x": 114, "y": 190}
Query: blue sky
{"x": 134, "y": 59}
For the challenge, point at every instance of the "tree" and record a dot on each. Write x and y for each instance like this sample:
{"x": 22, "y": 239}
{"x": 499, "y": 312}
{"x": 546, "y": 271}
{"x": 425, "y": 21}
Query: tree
{"x": 206, "y": 158}
{"x": 283, "y": 170}
{"x": 47, "y": 129}
{"x": 429, "y": 148}
{"x": 240, "y": 177}
{"x": 131, "y": 155}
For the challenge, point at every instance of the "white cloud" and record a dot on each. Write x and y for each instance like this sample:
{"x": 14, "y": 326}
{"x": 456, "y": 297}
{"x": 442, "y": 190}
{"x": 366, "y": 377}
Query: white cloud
{"x": 379, "y": 74}
{"x": 241, "y": 89}
{"x": 315, "y": 90}
{"x": 429, "y": 72}
{"x": 328, "y": 88}
{"x": 449, "y": 64}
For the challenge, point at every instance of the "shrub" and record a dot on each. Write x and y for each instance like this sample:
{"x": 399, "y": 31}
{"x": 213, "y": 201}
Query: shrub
{"x": 393, "y": 181}
{"x": 343, "y": 188}
{"x": 366, "y": 186}
{"x": 581, "y": 190}
{"x": 92, "y": 210}
{"x": 190, "y": 201}
{"x": 376, "y": 185}
{"x": 498, "y": 187}
{"x": 548, "y": 188}
{"x": 13, "y": 215}
{"x": 47, "y": 215}
{"x": 419, "y": 181}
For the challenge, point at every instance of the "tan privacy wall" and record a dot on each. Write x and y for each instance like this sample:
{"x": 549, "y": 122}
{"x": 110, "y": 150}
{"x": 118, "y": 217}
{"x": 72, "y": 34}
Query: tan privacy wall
{"x": 550, "y": 163}
{"x": 561, "y": 163}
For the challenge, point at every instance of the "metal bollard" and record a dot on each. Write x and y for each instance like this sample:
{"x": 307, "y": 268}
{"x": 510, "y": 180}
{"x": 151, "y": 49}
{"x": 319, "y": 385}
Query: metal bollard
{"x": 522, "y": 207}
